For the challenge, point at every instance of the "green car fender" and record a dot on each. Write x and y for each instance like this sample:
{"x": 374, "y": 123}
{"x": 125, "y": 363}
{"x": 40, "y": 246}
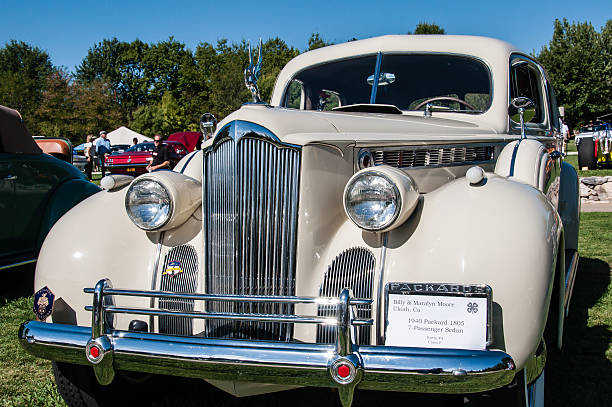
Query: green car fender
{"x": 65, "y": 197}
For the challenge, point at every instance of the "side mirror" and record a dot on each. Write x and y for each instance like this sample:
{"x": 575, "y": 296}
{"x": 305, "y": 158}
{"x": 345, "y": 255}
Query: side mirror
{"x": 208, "y": 125}
{"x": 522, "y": 110}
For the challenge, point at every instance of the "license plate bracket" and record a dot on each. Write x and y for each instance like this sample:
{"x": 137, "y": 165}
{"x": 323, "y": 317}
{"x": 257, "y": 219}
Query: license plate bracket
{"x": 438, "y": 315}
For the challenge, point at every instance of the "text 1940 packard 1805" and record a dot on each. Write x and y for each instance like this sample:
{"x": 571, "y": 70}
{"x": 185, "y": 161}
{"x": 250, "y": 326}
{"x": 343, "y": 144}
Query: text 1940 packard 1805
{"x": 399, "y": 217}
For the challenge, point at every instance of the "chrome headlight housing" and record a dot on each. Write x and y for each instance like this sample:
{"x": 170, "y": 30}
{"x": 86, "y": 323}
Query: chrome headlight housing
{"x": 380, "y": 199}
{"x": 148, "y": 204}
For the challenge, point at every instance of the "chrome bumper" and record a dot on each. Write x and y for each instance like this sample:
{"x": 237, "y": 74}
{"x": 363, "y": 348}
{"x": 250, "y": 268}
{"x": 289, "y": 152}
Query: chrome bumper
{"x": 343, "y": 365}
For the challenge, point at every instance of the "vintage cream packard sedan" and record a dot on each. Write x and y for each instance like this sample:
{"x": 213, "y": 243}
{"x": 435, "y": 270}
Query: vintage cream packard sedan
{"x": 398, "y": 218}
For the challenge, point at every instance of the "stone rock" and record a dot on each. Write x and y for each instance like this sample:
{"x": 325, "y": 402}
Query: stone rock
{"x": 594, "y": 198}
{"x": 585, "y": 191}
{"x": 607, "y": 187}
{"x": 593, "y": 180}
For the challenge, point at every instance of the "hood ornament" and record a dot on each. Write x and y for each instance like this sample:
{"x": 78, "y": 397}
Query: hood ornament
{"x": 251, "y": 75}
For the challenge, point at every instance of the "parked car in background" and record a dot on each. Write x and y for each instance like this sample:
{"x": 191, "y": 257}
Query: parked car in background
{"x": 58, "y": 147}
{"x": 119, "y": 148}
{"x": 135, "y": 159}
{"x": 36, "y": 189}
{"x": 192, "y": 140}
{"x": 79, "y": 160}
{"x": 398, "y": 218}
{"x": 594, "y": 143}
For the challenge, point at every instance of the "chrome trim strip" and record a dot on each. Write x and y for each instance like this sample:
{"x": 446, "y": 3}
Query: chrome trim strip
{"x": 154, "y": 272}
{"x": 570, "y": 279}
{"x": 376, "y": 78}
{"x": 136, "y": 165}
{"x": 193, "y": 154}
{"x": 230, "y": 297}
{"x": 231, "y": 316}
{"x": 21, "y": 263}
{"x": 385, "y": 368}
{"x": 380, "y": 325}
{"x": 513, "y": 161}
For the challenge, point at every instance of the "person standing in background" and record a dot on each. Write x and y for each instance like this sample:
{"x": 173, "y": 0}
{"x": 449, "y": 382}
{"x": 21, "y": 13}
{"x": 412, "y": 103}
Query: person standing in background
{"x": 134, "y": 141}
{"x": 161, "y": 155}
{"x": 103, "y": 149}
{"x": 89, "y": 154}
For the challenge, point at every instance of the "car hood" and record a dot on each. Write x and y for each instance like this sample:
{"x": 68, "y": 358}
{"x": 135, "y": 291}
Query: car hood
{"x": 303, "y": 127}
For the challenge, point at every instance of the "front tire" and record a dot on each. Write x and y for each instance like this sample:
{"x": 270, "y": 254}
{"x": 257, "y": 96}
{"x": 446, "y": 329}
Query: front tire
{"x": 78, "y": 386}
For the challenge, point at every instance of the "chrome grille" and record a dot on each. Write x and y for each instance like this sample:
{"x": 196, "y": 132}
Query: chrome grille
{"x": 251, "y": 196}
{"x": 183, "y": 281}
{"x": 354, "y": 269}
{"x": 432, "y": 156}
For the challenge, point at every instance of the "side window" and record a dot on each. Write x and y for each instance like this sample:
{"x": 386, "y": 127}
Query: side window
{"x": 526, "y": 81}
{"x": 295, "y": 95}
{"x": 554, "y": 108}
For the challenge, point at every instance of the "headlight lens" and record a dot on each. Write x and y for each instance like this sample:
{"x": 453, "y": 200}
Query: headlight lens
{"x": 148, "y": 204}
{"x": 372, "y": 201}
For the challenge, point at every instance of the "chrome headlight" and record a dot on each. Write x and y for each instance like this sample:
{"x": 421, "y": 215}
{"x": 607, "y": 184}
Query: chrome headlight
{"x": 148, "y": 204}
{"x": 379, "y": 199}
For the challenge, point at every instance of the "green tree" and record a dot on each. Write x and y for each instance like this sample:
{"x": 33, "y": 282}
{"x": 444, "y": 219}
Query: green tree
{"x": 71, "y": 109}
{"x": 315, "y": 41}
{"x": 121, "y": 65}
{"x": 163, "y": 64}
{"x": 275, "y": 56}
{"x": 428, "y": 28}
{"x": 23, "y": 76}
{"x": 577, "y": 60}
{"x": 227, "y": 90}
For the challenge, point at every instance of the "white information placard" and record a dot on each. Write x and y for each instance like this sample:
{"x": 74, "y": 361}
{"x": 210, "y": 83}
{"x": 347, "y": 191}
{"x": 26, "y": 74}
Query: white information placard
{"x": 432, "y": 321}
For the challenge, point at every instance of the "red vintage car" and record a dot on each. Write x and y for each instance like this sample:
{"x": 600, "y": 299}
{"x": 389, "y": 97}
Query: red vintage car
{"x": 135, "y": 159}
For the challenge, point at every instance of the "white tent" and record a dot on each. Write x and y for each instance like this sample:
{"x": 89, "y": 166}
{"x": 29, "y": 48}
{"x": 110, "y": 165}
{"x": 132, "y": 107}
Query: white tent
{"x": 123, "y": 135}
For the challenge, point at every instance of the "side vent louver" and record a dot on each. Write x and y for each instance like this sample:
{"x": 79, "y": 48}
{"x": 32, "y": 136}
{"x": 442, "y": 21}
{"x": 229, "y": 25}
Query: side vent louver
{"x": 434, "y": 156}
{"x": 179, "y": 275}
{"x": 354, "y": 269}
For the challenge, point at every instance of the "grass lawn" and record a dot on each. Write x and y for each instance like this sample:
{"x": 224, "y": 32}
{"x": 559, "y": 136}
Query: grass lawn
{"x": 580, "y": 375}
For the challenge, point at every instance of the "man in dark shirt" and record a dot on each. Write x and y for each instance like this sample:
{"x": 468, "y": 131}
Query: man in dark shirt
{"x": 161, "y": 155}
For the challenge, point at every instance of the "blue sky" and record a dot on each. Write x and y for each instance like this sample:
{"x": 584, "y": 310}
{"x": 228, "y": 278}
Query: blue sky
{"x": 67, "y": 29}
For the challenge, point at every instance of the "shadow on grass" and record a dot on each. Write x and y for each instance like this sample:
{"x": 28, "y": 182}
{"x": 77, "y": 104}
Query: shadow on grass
{"x": 581, "y": 374}
{"x": 16, "y": 283}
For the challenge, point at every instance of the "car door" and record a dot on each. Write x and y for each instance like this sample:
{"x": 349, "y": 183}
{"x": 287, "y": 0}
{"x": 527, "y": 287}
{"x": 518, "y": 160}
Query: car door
{"x": 28, "y": 181}
{"x": 7, "y": 195}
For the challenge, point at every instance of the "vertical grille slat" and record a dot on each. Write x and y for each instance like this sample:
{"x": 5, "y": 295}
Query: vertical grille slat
{"x": 184, "y": 281}
{"x": 259, "y": 202}
{"x": 354, "y": 269}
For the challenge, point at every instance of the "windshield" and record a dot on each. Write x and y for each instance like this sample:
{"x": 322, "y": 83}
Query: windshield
{"x": 408, "y": 81}
{"x": 141, "y": 147}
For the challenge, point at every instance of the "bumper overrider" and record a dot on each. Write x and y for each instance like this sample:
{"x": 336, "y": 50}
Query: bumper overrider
{"x": 344, "y": 365}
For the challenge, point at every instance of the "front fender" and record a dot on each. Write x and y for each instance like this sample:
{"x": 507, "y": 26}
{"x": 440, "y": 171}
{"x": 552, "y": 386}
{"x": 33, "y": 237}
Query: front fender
{"x": 94, "y": 240}
{"x": 64, "y": 197}
{"x": 502, "y": 233}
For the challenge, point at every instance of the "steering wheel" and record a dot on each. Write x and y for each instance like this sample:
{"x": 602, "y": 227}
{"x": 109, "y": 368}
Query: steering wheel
{"x": 449, "y": 98}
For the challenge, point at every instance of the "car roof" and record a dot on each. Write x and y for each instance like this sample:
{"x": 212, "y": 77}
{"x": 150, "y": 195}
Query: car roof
{"x": 14, "y": 136}
{"x": 492, "y": 51}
